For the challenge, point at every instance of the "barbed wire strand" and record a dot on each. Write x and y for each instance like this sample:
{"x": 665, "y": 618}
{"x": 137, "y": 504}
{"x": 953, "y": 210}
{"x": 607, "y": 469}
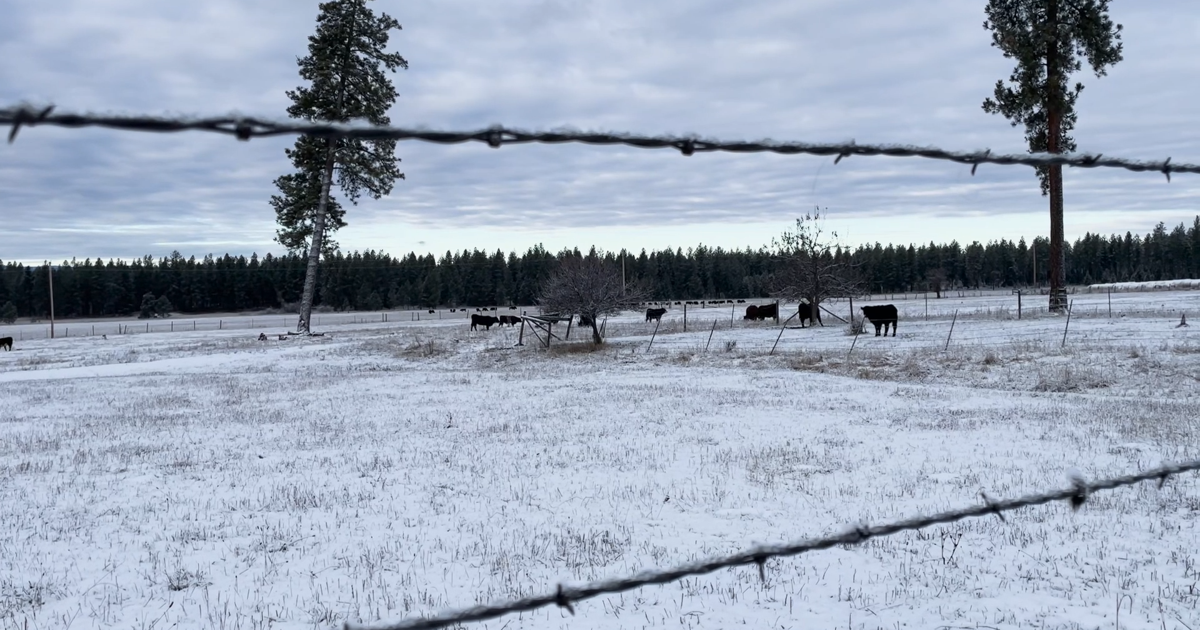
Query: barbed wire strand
{"x": 566, "y": 596}
{"x": 245, "y": 128}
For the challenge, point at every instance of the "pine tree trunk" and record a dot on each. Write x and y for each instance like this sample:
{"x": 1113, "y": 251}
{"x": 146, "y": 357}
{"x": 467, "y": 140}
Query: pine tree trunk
{"x": 314, "y": 247}
{"x": 1058, "y": 274}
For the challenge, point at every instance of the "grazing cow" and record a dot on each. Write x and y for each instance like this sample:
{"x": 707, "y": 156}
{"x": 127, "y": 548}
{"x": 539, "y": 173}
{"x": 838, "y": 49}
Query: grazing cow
{"x": 6, "y": 343}
{"x": 487, "y": 321}
{"x": 655, "y": 314}
{"x": 882, "y": 316}
{"x": 432, "y": 311}
{"x": 509, "y": 320}
{"x": 765, "y": 311}
{"x": 262, "y": 336}
{"x": 512, "y": 308}
{"x": 741, "y": 301}
{"x": 584, "y": 320}
{"x": 492, "y": 309}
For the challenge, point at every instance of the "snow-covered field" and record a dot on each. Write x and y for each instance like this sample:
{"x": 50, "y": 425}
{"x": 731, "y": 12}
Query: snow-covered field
{"x": 1157, "y": 285}
{"x": 205, "y": 479}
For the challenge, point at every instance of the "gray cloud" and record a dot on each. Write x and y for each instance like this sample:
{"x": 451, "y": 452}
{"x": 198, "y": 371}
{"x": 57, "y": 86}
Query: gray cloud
{"x": 828, "y": 70}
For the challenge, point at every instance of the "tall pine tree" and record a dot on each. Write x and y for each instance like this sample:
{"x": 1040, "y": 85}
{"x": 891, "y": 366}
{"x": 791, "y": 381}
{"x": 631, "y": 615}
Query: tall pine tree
{"x": 1046, "y": 37}
{"x": 345, "y": 67}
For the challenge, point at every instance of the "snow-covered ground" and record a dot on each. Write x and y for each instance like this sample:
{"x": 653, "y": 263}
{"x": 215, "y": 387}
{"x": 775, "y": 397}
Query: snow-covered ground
{"x": 205, "y": 479}
{"x": 1157, "y": 285}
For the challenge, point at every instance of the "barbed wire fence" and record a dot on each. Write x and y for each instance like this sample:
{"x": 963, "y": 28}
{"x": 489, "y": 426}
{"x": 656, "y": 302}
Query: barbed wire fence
{"x": 245, "y": 128}
{"x": 566, "y": 596}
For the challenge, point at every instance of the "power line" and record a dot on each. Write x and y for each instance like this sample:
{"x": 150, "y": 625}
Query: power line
{"x": 565, "y": 596}
{"x": 245, "y": 128}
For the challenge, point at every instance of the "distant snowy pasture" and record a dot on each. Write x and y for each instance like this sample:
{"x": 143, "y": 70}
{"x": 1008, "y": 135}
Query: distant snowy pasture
{"x": 205, "y": 479}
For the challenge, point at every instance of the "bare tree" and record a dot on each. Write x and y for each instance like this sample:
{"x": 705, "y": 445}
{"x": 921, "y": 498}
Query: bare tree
{"x": 935, "y": 280}
{"x": 810, "y": 268}
{"x": 590, "y": 287}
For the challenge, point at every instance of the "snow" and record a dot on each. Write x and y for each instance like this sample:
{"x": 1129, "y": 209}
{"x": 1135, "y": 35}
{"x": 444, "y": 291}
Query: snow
{"x": 205, "y": 479}
{"x": 1155, "y": 285}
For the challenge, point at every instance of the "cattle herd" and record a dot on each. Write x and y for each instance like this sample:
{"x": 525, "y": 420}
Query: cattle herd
{"x": 882, "y": 316}
{"x": 487, "y": 321}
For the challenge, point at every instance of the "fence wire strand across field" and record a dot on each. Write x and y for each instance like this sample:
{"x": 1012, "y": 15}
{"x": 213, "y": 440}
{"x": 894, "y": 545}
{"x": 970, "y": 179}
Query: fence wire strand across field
{"x": 245, "y": 128}
{"x": 566, "y": 596}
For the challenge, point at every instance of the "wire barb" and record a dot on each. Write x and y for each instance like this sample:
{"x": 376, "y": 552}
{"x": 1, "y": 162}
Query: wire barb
{"x": 1076, "y": 494}
{"x": 761, "y": 561}
{"x": 975, "y": 165}
{"x": 562, "y": 601}
{"x": 27, "y": 116}
{"x": 245, "y": 128}
{"x": 495, "y": 137}
{"x": 992, "y": 504}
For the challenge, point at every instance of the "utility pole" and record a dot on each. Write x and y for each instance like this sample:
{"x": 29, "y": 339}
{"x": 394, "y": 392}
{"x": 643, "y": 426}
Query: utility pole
{"x": 1035, "y": 263}
{"x": 50, "y": 275}
{"x": 622, "y": 273}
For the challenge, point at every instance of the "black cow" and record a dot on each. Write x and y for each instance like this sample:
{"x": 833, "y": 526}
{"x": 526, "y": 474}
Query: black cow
{"x": 882, "y": 316}
{"x": 584, "y": 320}
{"x": 487, "y": 321}
{"x": 766, "y": 311}
{"x": 431, "y": 311}
{"x": 512, "y": 308}
{"x": 509, "y": 320}
{"x": 741, "y": 301}
{"x": 655, "y": 314}
{"x": 806, "y": 311}
{"x": 6, "y": 343}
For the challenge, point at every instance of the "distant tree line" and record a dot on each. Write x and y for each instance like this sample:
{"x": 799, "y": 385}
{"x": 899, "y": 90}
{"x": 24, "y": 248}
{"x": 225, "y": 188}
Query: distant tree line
{"x": 373, "y": 280}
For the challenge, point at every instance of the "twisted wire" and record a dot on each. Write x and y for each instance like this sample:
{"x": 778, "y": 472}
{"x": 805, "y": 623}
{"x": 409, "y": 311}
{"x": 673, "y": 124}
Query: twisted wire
{"x": 245, "y": 128}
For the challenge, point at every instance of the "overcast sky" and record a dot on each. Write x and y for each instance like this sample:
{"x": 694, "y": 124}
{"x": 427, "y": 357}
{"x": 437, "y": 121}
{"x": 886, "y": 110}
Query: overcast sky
{"x": 912, "y": 72}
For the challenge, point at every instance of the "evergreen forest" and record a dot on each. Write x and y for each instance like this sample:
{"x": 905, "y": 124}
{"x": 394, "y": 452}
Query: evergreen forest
{"x": 372, "y": 281}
